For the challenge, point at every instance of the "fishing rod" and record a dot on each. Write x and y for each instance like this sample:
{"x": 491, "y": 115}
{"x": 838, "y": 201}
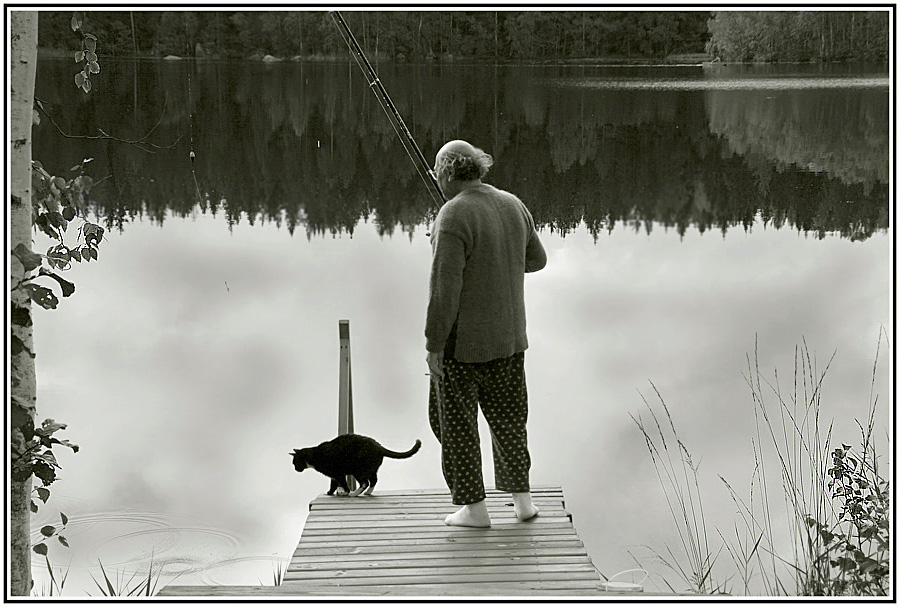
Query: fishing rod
{"x": 406, "y": 139}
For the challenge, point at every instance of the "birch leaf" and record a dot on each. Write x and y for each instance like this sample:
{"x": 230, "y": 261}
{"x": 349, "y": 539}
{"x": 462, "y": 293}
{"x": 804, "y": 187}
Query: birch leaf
{"x": 30, "y": 260}
{"x": 67, "y": 287}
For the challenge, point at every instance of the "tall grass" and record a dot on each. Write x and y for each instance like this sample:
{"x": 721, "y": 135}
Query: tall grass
{"x": 678, "y": 475}
{"x": 56, "y": 583}
{"x": 798, "y": 444}
{"x": 834, "y": 502}
{"x": 109, "y": 585}
{"x": 118, "y": 586}
{"x": 279, "y": 568}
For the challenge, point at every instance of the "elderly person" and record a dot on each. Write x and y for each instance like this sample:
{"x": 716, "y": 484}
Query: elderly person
{"x": 483, "y": 242}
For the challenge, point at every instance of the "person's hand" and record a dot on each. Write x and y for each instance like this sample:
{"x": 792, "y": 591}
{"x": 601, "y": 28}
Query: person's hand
{"x": 436, "y": 364}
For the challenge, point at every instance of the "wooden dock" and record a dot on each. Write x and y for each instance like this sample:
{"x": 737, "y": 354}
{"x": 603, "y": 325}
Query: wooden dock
{"x": 396, "y": 543}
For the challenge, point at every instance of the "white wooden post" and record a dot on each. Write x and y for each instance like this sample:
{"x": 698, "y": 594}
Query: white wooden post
{"x": 345, "y": 388}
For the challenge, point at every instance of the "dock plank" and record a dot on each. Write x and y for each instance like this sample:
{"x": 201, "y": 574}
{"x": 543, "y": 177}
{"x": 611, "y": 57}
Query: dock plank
{"x": 549, "y": 588}
{"x": 346, "y": 555}
{"x": 412, "y": 546}
{"x": 396, "y": 543}
{"x": 444, "y": 559}
{"x": 431, "y": 523}
{"x": 494, "y": 573}
{"x": 434, "y": 531}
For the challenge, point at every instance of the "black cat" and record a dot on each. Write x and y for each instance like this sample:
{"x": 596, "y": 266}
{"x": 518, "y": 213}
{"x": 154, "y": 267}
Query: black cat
{"x": 348, "y": 454}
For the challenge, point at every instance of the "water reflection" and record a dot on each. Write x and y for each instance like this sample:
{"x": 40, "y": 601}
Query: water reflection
{"x": 841, "y": 135}
{"x": 130, "y": 545}
{"x": 211, "y": 345}
{"x": 216, "y": 385}
{"x": 306, "y": 144}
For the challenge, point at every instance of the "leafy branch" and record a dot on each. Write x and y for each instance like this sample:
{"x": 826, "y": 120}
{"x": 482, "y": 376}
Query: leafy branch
{"x": 51, "y": 531}
{"x": 32, "y": 454}
{"x": 856, "y": 548}
{"x": 56, "y": 202}
{"x": 87, "y": 54}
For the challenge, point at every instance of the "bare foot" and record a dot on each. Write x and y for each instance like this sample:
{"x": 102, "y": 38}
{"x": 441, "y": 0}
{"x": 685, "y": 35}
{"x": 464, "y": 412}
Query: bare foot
{"x": 471, "y": 515}
{"x": 525, "y": 508}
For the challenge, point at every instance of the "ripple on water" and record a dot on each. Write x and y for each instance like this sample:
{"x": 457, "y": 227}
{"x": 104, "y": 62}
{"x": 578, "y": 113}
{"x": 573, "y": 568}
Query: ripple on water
{"x": 724, "y": 84}
{"x": 247, "y": 570}
{"x": 104, "y": 523}
{"x": 180, "y": 549}
{"x": 122, "y": 539}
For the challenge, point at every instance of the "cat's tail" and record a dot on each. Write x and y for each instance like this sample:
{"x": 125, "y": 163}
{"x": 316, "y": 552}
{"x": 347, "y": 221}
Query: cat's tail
{"x": 405, "y": 454}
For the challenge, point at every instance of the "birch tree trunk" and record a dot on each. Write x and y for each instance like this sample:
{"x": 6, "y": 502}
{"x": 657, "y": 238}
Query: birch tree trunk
{"x": 23, "y": 64}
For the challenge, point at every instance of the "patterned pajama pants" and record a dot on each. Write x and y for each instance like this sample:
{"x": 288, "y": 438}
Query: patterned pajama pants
{"x": 499, "y": 387}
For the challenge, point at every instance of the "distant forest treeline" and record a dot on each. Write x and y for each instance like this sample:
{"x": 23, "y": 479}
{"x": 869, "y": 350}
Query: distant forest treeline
{"x": 776, "y": 36}
{"x": 483, "y": 35}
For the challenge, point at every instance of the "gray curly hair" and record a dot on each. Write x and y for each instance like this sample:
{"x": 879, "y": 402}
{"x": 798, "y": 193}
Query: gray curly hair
{"x": 462, "y": 167}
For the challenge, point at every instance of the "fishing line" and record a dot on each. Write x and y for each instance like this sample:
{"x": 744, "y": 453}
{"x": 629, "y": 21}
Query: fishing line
{"x": 191, "y": 121}
{"x": 409, "y": 145}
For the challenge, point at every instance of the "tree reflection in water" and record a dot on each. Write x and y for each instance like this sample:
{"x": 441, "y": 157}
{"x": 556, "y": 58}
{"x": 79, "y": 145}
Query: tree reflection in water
{"x": 305, "y": 144}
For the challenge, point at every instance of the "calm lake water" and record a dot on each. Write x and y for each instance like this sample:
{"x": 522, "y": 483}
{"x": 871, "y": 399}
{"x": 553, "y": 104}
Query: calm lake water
{"x": 687, "y": 214}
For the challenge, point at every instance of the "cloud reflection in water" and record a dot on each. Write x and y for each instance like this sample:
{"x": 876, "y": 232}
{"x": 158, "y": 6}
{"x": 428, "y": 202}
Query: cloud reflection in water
{"x": 187, "y": 397}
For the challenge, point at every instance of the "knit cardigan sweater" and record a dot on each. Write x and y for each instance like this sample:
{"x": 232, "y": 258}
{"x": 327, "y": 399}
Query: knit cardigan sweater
{"x": 483, "y": 242}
